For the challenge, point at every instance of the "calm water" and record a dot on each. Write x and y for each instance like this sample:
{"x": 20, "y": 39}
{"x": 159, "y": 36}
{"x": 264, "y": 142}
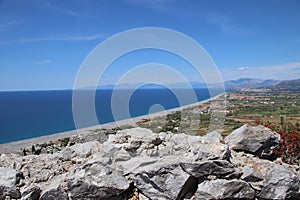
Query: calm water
{"x": 37, "y": 113}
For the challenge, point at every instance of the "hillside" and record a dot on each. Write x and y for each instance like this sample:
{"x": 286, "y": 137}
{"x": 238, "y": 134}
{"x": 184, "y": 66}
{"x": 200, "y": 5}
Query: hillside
{"x": 288, "y": 85}
{"x": 250, "y": 83}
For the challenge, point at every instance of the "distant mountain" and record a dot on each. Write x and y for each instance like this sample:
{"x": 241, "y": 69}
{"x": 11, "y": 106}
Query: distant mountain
{"x": 287, "y": 85}
{"x": 155, "y": 86}
{"x": 242, "y": 83}
{"x": 250, "y": 83}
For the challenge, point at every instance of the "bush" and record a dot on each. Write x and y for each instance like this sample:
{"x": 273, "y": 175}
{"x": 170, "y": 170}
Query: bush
{"x": 289, "y": 146}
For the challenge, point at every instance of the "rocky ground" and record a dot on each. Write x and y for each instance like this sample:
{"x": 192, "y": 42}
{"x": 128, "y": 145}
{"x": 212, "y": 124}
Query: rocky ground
{"x": 139, "y": 164}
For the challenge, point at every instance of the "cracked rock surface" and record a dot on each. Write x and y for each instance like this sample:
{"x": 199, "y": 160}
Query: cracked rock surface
{"x": 139, "y": 164}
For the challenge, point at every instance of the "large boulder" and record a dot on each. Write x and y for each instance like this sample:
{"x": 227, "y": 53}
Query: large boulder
{"x": 82, "y": 150}
{"x": 42, "y": 168}
{"x": 7, "y": 183}
{"x": 224, "y": 189}
{"x": 143, "y": 142}
{"x": 257, "y": 140}
{"x": 31, "y": 193}
{"x": 160, "y": 180}
{"x": 280, "y": 183}
{"x": 9, "y": 192}
{"x": 206, "y": 168}
{"x": 134, "y": 164}
{"x": 54, "y": 194}
{"x": 96, "y": 181}
{"x": 8, "y": 176}
{"x": 193, "y": 148}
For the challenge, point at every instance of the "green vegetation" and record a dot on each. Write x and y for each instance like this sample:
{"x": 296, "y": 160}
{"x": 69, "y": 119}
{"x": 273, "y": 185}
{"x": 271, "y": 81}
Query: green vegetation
{"x": 64, "y": 142}
{"x": 277, "y": 110}
{"x": 242, "y": 107}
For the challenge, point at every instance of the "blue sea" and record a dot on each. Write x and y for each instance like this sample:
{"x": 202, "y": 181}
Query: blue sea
{"x": 28, "y": 114}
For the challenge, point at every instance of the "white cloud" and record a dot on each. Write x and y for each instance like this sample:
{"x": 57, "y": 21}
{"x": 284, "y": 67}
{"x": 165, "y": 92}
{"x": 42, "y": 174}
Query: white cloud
{"x": 242, "y": 68}
{"x": 7, "y": 23}
{"x": 62, "y": 10}
{"x": 43, "y": 62}
{"x": 225, "y": 23}
{"x": 280, "y": 72}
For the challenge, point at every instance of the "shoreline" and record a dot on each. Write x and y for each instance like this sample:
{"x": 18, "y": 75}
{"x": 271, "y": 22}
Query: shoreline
{"x": 16, "y": 146}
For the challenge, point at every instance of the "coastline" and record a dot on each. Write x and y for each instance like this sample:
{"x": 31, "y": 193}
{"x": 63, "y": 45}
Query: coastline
{"x": 16, "y": 146}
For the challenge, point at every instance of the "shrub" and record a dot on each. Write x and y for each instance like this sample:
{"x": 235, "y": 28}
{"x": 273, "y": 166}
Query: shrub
{"x": 289, "y": 146}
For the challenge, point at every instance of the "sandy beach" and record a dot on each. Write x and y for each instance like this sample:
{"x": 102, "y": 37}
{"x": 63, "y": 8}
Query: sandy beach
{"x": 15, "y": 147}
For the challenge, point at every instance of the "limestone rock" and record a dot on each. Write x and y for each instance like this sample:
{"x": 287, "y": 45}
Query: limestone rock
{"x": 7, "y": 183}
{"x": 160, "y": 180}
{"x": 41, "y": 168}
{"x": 32, "y": 193}
{"x": 7, "y": 176}
{"x": 256, "y": 140}
{"x": 224, "y": 189}
{"x": 206, "y": 168}
{"x": 9, "y": 192}
{"x": 280, "y": 184}
{"x": 81, "y": 150}
{"x": 137, "y": 163}
{"x": 134, "y": 164}
{"x": 250, "y": 175}
{"x": 96, "y": 181}
{"x": 54, "y": 194}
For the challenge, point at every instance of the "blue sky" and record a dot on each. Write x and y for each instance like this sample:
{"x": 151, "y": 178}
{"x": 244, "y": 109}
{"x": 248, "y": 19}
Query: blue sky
{"x": 43, "y": 43}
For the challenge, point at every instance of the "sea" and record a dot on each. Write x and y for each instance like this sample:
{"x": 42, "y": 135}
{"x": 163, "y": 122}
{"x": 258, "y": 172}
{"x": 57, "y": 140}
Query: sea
{"x": 29, "y": 114}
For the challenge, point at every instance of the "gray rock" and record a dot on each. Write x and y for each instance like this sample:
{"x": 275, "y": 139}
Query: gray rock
{"x": 32, "y": 193}
{"x": 250, "y": 175}
{"x": 224, "y": 189}
{"x": 54, "y": 194}
{"x": 212, "y": 137}
{"x": 160, "y": 180}
{"x": 121, "y": 155}
{"x": 7, "y": 183}
{"x": 41, "y": 168}
{"x": 93, "y": 135}
{"x": 8, "y": 176}
{"x": 96, "y": 182}
{"x": 256, "y": 140}
{"x": 193, "y": 148}
{"x": 161, "y": 166}
{"x": 134, "y": 164}
{"x": 280, "y": 184}
{"x": 81, "y": 150}
{"x": 9, "y": 192}
{"x": 206, "y": 168}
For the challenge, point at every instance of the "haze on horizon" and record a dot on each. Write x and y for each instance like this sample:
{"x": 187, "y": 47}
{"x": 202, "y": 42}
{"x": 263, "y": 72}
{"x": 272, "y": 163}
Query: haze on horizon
{"x": 43, "y": 43}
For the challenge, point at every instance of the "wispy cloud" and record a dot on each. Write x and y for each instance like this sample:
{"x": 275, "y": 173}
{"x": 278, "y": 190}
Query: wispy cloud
{"x": 281, "y": 72}
{"x": 43, "y": 62}
{"x": 242, "y": 68}
{"x": 55, "y": 38}
{"x": 8, "y": 23}
{"x": 148, "y": 3}
{"x": 161, "y": 6}
{"x": 62, "y": 10}
{"x": 225, "y": 23}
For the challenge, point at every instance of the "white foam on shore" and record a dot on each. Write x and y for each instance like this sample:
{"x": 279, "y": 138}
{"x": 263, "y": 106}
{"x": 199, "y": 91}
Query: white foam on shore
{"x": 15, "y": 147}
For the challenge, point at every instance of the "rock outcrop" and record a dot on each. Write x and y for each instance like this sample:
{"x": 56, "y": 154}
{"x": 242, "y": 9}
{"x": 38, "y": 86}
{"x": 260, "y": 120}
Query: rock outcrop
{"x": 257, "y": 140}
{"x": 139, "y": 164}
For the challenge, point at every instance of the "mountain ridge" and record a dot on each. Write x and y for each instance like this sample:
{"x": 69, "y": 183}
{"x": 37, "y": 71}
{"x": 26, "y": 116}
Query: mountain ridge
{"x": 230, "y": 84}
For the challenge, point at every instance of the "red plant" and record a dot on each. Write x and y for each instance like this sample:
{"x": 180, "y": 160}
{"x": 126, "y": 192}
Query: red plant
{"x": 289, "y": 146}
